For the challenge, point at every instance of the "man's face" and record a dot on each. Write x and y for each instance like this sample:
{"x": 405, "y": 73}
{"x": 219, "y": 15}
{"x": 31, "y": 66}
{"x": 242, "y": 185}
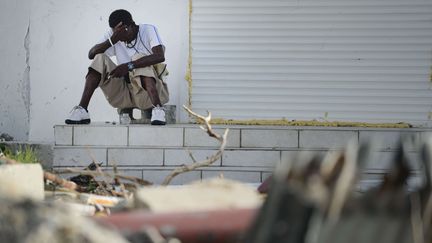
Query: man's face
{"x": 127, "y": 34}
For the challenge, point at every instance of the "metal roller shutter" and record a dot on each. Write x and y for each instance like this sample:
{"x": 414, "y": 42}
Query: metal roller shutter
{"x": 346, "y": 60}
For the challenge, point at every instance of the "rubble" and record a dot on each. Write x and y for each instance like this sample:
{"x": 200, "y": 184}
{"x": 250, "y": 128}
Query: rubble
{"x": 22, "y": 181}
{"x": 312, "y": 199}
{"x": 213, "y": 194}
{"x": 27, "y": 221}
{"x": 315, "y": 200}
{"x": 5, "y": 137}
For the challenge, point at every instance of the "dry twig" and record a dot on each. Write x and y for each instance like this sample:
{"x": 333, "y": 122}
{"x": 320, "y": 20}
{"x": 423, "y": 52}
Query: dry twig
{"x": 190, "y": 167}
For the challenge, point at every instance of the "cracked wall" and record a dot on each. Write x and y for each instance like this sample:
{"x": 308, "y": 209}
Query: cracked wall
{"x": 44, "y": 46}
{"x": 14, "y": 68}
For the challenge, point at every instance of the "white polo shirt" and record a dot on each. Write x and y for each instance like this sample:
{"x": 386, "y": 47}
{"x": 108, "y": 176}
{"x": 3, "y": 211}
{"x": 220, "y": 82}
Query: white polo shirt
{"x": 147, "y": 38}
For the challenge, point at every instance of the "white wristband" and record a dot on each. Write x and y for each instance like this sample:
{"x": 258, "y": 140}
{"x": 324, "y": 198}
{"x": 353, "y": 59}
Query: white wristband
{"x": 110, "y": 41}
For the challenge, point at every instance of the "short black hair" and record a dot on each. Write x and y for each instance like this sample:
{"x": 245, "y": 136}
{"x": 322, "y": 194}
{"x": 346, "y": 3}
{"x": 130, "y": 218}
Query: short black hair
{"x": 120, "y": 15}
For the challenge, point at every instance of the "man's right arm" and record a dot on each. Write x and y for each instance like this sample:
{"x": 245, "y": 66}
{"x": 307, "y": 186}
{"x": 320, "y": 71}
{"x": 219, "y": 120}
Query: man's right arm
{"x": 118, "y": 34}
{"x": 99, "y": 48}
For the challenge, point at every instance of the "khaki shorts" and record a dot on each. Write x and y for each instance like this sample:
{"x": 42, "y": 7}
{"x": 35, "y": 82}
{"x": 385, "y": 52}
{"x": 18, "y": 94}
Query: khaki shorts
{"x": 121, "y": 94}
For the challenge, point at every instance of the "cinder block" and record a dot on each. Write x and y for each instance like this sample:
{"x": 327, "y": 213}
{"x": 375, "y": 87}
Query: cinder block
{"x": 250, "y": 158}
{"x": 196, "y": 137}
{"x": 388, "y": 140}
{"x": 158, "y": 176}
{"x": 181, "y": 156}
{"x": 156, "y": 136}
{"x": 74, "y": 156}
{"x": 269, "y": 138}
{"x": 100, "y": 136}
{"x": 135, "y": 157}
{"x": 63, "y": 135}
{"x": 326, "y": 138}
{"x": 243, "y": 176}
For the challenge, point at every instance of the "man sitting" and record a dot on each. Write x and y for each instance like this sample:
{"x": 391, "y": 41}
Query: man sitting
{"x": 136, "y": 81}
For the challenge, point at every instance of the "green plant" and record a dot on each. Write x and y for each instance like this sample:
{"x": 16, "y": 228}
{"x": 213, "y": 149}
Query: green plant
{"x": 24, "y": 154}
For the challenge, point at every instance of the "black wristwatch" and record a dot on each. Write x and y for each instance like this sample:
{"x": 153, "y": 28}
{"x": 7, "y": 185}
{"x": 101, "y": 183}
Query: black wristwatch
{"x": 130, "y": 66}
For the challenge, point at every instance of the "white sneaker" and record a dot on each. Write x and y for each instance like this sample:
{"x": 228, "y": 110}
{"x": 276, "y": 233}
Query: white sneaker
{"x": 78, "y": 115}
{"x": 158, "y": 116}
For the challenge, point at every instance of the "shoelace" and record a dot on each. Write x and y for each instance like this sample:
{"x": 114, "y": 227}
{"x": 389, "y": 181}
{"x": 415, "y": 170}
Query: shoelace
{"x": 159, "y": 108}
{"x": 75, "y": 108}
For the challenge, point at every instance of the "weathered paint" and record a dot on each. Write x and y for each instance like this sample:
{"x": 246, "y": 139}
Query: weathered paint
{"x": 14, "y": 68}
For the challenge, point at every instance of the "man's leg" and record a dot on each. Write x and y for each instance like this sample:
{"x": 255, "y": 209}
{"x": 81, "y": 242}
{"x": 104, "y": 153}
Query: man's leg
{"x": 158, "y": 114}
{"x": 115, "y": 91}
{"x": 92, "y": 82}
{"x": 79, "y": 114}
{"x": 149, "y": 84}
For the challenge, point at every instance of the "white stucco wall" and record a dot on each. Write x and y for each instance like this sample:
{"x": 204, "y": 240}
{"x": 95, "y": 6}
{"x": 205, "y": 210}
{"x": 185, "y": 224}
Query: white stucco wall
{"x": 62, "y": 32}
{"x": 14, "y": 81}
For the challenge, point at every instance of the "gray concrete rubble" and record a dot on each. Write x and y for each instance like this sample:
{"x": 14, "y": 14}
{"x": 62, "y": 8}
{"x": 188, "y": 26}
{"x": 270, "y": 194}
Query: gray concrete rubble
{"x": 213, "y": 194}
{"x": 22, "y": 181}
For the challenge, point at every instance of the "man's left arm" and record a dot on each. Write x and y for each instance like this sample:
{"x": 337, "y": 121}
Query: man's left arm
{"x": 158, "y": 56}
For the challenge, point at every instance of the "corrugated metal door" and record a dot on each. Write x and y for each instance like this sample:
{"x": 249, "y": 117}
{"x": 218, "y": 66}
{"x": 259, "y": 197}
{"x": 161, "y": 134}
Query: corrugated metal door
{"x": 343, "y": 60}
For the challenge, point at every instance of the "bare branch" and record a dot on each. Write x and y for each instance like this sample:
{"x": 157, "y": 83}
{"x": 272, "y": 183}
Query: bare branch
{"x": 61, "y": 182}
{"x": 206, "y": 121}
{"x": 190, "y": 167}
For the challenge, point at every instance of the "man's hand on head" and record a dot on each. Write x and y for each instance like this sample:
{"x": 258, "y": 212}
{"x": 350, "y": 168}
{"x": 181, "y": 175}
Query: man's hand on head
{"x": 120, "y": 71}
{"x": 119, "y": 33}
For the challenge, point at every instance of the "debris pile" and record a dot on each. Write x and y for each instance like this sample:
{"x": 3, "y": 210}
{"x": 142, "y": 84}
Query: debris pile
{"x": 29, "y": 221}
{"x": 315, "y": 200}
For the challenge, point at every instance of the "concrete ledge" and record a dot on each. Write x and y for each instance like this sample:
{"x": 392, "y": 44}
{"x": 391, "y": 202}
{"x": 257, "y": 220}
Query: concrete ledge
{"x": 252, "y": 152}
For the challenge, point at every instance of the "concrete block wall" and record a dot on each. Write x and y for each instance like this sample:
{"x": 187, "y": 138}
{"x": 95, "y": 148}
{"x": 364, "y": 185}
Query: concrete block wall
{"x": 251, "y": 154}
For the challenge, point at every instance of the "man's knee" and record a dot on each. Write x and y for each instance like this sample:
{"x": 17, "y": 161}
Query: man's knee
{"x": 100, "y": 56}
